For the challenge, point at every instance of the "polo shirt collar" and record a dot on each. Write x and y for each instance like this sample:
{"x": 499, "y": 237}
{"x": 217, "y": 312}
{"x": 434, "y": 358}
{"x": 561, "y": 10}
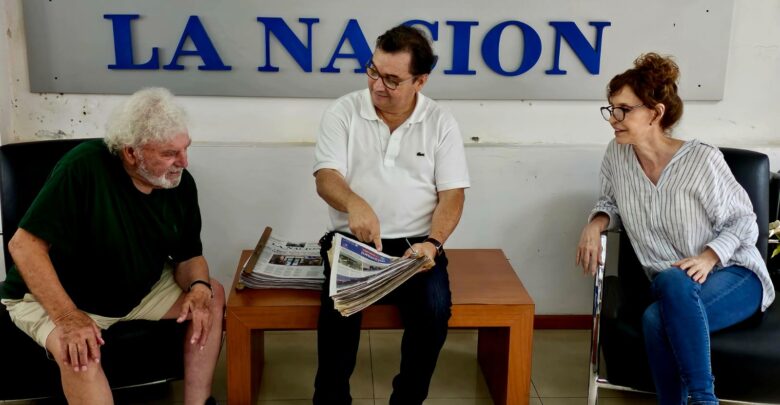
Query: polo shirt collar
{"x": 367, "y": 110}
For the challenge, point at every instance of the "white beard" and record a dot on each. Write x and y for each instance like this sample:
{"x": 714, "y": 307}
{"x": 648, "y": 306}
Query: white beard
{"x": 159, "y": 181}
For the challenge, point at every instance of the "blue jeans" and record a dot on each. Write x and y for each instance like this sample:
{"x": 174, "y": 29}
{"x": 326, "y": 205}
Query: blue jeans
{"x": 678, "y": 324}
{"x": 424, "y": 303}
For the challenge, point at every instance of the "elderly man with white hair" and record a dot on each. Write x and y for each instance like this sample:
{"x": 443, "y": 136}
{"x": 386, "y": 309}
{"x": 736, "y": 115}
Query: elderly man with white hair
{"x": 114, "y": 235}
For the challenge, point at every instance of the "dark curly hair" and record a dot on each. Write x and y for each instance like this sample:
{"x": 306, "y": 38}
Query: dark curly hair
{"x": 654, "y": 80}
{"x": 409, "y": 39}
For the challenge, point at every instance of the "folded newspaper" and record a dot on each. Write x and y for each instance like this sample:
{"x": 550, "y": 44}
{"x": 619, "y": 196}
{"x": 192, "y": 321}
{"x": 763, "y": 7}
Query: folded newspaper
{"x": 283, "y": 264}
{"x": 361, "y": 275}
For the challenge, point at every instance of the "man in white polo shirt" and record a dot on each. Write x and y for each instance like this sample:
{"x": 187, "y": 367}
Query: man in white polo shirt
{"x": 391, "y": 166}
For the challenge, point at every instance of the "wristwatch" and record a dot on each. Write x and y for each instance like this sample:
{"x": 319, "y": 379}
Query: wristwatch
{"x": 435, "y": 243}
{"x": 204, "y": 282}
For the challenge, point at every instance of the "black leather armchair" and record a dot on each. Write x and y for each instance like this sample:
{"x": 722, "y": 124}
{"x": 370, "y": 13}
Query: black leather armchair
{"x": 135, "y": 353}
{"x": 745, "y": 357}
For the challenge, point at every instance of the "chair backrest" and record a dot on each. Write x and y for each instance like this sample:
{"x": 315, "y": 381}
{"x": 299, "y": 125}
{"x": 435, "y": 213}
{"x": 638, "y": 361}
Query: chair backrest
{"x": 751, "y": 169}
{"x": 24, "y": 168}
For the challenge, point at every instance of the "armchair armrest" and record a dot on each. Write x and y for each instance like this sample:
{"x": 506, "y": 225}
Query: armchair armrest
{"x": 598, "y": 280}
{"x": 595, "y": 347}
{"x": 611, "y": 296}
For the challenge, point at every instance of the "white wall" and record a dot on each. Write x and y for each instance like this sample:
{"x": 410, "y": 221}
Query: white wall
{"x": 5, "y": 76}
{"x": 534, "y": 169}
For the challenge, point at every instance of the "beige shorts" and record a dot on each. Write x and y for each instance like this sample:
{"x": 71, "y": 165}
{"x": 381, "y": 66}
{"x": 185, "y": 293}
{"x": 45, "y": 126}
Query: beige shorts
{"x": 29, "y": 316}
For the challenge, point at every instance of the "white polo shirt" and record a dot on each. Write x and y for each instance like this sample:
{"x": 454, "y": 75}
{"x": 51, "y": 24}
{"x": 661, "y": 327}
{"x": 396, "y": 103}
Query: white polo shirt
{"x": 398, "y": 175}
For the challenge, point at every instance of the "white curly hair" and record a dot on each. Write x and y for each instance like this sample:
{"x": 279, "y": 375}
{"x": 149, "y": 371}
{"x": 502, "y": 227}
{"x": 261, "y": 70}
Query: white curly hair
{"x": 148, "y": 115}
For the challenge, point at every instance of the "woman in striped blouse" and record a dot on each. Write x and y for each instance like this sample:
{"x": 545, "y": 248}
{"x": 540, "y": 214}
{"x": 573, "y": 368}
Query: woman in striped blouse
{"x": 691, "y": 224}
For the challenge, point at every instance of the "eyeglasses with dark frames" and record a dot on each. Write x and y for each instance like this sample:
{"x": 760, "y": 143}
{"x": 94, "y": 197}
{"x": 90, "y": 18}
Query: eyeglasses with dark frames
{"x": 389, "y": 82}
{"x": 618, "y": 112}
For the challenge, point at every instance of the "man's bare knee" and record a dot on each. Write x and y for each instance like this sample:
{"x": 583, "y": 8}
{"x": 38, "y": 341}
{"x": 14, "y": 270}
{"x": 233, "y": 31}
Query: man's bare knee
{"x": 93, "y": 373}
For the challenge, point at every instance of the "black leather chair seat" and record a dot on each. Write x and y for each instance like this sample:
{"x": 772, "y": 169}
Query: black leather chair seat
{"x": 136, "y": 353}
{"x": 732, "y": 351}
{"x": 745, "y": 357}
{"x": 748, "y": 356}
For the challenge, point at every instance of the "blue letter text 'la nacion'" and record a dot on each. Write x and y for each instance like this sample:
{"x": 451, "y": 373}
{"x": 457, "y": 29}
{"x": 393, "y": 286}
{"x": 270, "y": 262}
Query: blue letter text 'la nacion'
{"x": 300, "y": 50}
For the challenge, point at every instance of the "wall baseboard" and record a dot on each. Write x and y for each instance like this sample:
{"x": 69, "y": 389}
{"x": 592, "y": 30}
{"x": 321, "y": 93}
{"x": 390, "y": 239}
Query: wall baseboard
{"x": 562, "y": 322}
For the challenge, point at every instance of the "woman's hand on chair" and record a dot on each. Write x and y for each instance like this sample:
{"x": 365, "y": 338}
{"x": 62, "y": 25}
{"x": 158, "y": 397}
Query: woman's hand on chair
{"x": 589, "y": 248}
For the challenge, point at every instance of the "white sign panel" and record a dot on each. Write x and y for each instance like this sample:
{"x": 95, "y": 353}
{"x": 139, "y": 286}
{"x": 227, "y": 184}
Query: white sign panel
{"x": 507, "y": 49}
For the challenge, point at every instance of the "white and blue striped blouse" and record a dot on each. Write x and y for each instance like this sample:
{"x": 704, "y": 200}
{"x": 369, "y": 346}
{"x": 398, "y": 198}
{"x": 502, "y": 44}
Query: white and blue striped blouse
{"x": 697, "y": 203}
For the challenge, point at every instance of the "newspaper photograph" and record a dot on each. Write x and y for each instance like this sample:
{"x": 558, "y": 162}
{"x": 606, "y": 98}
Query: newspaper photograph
{"x": 283, "y": 264}
{"x": 361, "y": 275}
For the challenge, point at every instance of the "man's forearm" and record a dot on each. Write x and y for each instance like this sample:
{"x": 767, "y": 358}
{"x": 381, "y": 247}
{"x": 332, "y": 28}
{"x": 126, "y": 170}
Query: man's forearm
{"x": 447, "y": 214}
{"x": 31, "y": 255}
{"x": 190, "y": 270}
{"x": 333, "y": 188}
{"x": 363, "y": 221}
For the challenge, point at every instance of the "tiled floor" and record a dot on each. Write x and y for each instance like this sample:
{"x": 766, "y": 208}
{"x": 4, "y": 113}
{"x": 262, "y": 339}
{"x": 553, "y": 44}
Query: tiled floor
{"x": 559, "y": 372}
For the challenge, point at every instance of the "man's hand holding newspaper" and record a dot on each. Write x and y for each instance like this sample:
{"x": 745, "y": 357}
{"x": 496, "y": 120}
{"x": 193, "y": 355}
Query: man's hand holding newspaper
{"x": 361, "y": 275}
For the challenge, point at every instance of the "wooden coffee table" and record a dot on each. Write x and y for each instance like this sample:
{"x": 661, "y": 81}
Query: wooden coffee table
{"x": 486, "y": 295}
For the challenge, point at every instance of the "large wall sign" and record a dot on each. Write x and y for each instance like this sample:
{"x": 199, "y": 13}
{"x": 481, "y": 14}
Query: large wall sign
{"x": 497, "y": 49}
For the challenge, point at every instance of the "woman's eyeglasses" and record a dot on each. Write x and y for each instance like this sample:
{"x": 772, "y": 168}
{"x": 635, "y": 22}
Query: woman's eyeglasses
{"x": 618, "y": 112}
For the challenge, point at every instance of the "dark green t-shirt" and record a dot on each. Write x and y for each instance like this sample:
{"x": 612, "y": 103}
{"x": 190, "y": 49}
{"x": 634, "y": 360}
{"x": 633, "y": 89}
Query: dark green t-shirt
{"x": 108, "y": 241}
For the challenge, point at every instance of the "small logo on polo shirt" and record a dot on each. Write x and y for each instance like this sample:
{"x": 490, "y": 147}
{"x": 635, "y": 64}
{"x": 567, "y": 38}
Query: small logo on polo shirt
{"x": 420, "y": 154}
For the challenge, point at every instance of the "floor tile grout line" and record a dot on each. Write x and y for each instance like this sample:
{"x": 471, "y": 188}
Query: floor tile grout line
{"x": 533, "y": 386}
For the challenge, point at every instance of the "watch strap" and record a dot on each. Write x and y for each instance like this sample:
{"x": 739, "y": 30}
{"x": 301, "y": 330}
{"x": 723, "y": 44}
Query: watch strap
{"x": 204, "y": 282}
{"x": 435, "y": 243}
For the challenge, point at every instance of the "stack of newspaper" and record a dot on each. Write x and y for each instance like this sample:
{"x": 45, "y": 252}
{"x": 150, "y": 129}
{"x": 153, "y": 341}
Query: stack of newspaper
{"x": 282, "y": 264}
{"x": 361, "y": 275}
